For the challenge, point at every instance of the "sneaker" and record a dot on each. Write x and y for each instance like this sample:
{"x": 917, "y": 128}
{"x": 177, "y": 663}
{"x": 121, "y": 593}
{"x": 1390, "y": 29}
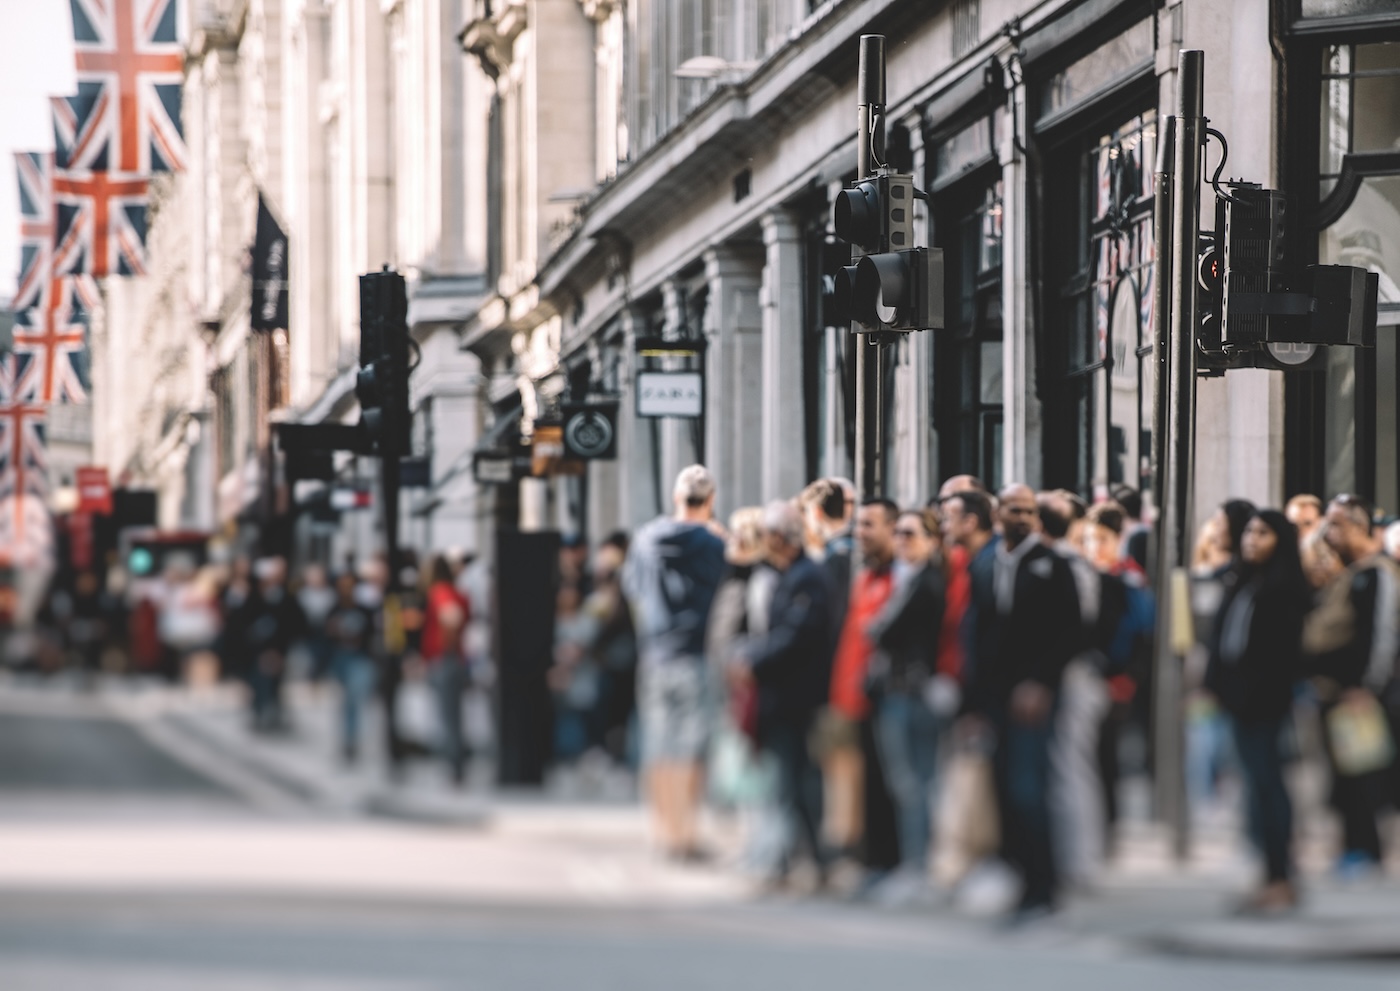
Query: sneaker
{"x": 1026, "y": 916}
{"x": 906, "y": 886}
{"x": 1355, "y": 865}
{"x": 1270, "y": 901}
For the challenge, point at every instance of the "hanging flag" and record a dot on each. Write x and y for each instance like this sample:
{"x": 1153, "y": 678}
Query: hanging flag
{"x": 100, "y": 223}
{"x": 24, "y": 461}
{"x": 36, "y": 234}
{"x": 125, "y": 116}
{"x": 269, "y": 271}
{"x": 50, "y": 347}
{"x": 25, "y": 535}
{"x": 26, "y": 532}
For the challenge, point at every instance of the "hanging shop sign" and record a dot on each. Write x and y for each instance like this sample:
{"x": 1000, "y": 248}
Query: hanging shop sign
{"x": 678, "y": 394}
{"x": 590, "y": 431}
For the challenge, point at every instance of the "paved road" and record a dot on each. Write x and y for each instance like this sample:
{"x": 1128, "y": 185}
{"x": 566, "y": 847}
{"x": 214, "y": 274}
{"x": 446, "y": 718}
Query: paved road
{"x": 89, "y": 753}
{"x": 125, "y": 890}
{"x": 223, "y": 943}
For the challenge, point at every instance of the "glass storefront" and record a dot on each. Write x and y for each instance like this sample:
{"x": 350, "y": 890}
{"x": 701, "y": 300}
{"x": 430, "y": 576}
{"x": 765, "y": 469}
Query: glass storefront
{"x": 1100, "y": 259}
{"x": 967, "y": 361}
{"x": 1359, "y": 117}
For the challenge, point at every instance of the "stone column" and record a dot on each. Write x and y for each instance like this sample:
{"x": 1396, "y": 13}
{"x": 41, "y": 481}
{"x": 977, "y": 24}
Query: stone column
{"x": 677, "y": 447}
{"x": 911, "y": 473}
{"x": 733, "y": 375}
{"x": 1020, "y": 412}
{"x": 636, "y": 488}
{"x": 783, "y": 469}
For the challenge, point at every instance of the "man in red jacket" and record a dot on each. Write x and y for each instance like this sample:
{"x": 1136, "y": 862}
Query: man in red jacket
{"x": 872, "y": 588}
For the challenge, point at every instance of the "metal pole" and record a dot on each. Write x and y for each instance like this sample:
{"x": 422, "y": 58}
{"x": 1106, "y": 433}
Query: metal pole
{"x": 1174, "y": 528}
{"x": 870, "y": 123}
{"x": 1161, "y": 316}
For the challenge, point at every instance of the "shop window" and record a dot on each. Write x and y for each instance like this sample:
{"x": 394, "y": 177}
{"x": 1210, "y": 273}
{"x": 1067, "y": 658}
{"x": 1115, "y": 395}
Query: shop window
{"x": 967, "y": 359}
{"x": 1346, "y": 8}
{"x": 1100, "y": 255}
{"x": 1120, "y": 59}
{"x": 1359, "y": 175}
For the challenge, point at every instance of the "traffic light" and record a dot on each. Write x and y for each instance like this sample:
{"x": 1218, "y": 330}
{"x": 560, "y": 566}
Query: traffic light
{"x": 1255, "y": 311}
{"x": 1251, "y": 242}
{"x": 877, "y": 214}
{"x": 894, "y": 285}
{"x": 899, "y": 290}
{"x": 382, "y": 383}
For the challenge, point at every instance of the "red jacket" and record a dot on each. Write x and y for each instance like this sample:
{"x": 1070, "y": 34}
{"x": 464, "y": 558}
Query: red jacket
{"x": 440, "y": 596}
{"x": 854, "y": 650}
{"x": 958, "y": 596}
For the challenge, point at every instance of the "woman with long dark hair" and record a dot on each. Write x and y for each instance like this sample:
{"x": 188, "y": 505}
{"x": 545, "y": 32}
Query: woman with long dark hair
{"x": 1255, "y": 659}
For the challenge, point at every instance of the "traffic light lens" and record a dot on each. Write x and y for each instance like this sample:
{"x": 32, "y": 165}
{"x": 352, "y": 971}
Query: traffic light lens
{"x": 1211, "y": 271}
{"x": 857, "y": 215}
{"x": 884, "y": 286}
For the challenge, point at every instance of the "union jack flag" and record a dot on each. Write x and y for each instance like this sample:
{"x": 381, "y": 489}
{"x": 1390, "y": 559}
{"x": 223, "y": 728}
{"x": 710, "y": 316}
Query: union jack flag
{"x": 25, "y": 534}
{"x": 35, "y": 171}
{"x": 37, "y": 224}
{"x": 26, "y": 531}
{"x": 24, "y": 459}
{"x": 50, "y": 344}
{"x": 100, "y": 223}
{"x": 126, "y": 114}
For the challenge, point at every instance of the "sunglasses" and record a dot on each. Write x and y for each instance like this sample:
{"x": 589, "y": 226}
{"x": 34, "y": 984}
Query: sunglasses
{"x": 908, "y": 532}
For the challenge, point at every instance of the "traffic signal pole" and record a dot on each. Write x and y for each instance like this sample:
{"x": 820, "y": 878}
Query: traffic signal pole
{"x": 1176, "y": 390}
{"x": 870, "y": 352}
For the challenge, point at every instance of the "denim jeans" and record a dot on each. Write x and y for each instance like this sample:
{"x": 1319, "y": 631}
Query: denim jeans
{"x": 448, "y": 676}
{"x": 906, "y": 734}
{"x": 356, "y": 674}
{"x": 1023, "y": 792}
{"x": 1270, "y": 812}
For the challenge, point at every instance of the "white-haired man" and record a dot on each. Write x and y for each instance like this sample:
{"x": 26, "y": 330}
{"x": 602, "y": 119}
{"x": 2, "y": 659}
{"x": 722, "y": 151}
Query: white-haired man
{"x": 671, "y": 575}
{"x": 790, "y": 665}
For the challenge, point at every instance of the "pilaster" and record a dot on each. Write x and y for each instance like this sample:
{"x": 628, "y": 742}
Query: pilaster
{"x": 783, "y": 471}
{"x": 733, "y": 375}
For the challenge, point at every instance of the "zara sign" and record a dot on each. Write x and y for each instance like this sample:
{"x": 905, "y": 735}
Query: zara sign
{"x": 679, "y": 394}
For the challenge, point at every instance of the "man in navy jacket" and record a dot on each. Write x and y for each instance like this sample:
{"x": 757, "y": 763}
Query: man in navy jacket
{"x": 791, "y": 668}
{"x": 1028, "y": 622}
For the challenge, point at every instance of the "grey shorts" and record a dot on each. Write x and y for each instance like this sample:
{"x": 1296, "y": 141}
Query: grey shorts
{"x": 673, "y": 710}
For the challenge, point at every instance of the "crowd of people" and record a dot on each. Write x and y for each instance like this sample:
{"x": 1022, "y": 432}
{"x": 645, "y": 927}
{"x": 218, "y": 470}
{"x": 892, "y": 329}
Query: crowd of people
{"x": 984, "y": 655}
{"x": 893, "y": 696}
{"x": 403, "y": 646}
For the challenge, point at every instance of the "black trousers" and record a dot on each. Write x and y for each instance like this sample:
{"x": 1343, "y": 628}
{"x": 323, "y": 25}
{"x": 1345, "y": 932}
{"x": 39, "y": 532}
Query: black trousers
{"x": 1266, "y": 795}
{"x": 1358, "y": 799}
{"x": 880, "y": 839}
{"x": 799, "y": 785}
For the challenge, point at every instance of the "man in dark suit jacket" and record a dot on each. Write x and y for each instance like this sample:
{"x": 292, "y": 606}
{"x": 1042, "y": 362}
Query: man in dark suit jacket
{"x": 1028, "y": 628}
{"x": 791, "y": 667}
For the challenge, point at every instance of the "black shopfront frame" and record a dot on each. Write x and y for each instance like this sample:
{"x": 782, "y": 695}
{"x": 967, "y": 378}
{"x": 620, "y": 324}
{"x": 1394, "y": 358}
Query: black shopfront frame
{"x": 1298, "y": 45}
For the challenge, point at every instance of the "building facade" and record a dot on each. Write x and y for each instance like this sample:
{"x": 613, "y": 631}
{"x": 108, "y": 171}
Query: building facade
{"x": 721, "y": 132}
{"x": 567, "y": 182}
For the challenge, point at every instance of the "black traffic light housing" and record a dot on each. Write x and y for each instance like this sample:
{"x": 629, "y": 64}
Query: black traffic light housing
{"x": 381, "y": 385}
{"x": 1255, "y": 311}
{"x": 894, "y": 285}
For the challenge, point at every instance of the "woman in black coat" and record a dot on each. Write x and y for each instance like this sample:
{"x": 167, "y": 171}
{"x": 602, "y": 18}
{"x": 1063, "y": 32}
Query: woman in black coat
{"x": 905, "y": 637}
{"x": 1255, "y": 659}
